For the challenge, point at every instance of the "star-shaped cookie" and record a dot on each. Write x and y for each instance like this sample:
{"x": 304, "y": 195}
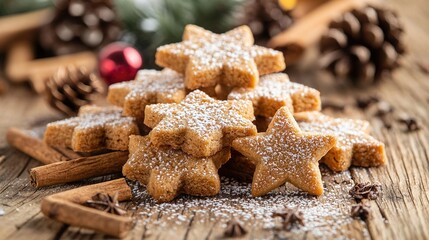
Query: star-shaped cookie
{"x": 167, "y": 172}
{"x": 94, "y": 128}
{"x": 285, "y": 154}
{"x": 150, "y": 86}
{"x": 354, "y": 145}
{"x": 275, "y": 91}
{"x": 199, "y": 125}
{"x": 229, "y": 59}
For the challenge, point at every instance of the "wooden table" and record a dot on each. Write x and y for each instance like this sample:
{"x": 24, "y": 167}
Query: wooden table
{"x": 401, "y": 213}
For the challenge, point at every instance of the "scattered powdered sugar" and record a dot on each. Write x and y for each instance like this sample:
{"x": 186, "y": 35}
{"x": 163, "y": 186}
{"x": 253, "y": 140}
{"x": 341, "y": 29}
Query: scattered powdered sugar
{"x": 324, "y": 216}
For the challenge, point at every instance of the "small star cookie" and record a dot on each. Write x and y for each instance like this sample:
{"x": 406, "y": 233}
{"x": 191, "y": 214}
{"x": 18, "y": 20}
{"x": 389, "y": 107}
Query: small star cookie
{"x": 167, "y": 172}
{"x": 285, "y": 154}
{"x": 207, "y": 59}
{"x": 94, "y": 128}
{"x": 199, "y": 125}
{"x": 275, "y": 91}
{"x": 354, "y": 145}
{"x": 150, "y": 86}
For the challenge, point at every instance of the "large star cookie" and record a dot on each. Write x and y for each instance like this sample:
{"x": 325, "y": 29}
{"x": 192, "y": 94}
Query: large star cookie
{"x": 150, "y": 86}
{"x": 229, "y": 59}
{"x": 199, "y": 125}
{"x": 275, "y": 91}
{"x": 354, "y": 145}
{"x": 285, "y": 154}
{"x": 167, "y": 172}
{"x": 93, "y": 129}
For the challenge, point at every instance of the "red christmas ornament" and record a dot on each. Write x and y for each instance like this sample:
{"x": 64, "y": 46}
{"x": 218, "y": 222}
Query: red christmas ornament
{"x": 119, "y": 62}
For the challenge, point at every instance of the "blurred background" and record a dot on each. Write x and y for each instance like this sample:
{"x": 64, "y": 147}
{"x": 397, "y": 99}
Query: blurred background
{"x": 69, "y": 50}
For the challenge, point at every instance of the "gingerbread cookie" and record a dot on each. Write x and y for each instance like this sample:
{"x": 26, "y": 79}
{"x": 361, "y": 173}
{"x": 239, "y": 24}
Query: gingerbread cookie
{"x": 150, "y": 86}
{"x": 354, "y": 145}
{"x": 207, "y": 59}
{"x": 94, "y": 128}
{"x": 199, "y": 125}
{"x": 167, "y": 172}
{"x": 275, "y": 91}
{"x": 285, "y": 154}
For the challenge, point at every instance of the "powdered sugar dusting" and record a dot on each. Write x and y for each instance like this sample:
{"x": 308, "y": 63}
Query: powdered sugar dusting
{"x": 94, "y": 116}
{"x": 212, "y": 123}
{"x": 172, "y": 171}
{"x": 323, "y": 216}
{"x": 354, "y": 145}
{"x": 283, "y": 154}
{"x": 277, "y": 88}
{"x": 166, "y": 83}
{"x": 207, "y": 51}
{"x": 347, "y": 131}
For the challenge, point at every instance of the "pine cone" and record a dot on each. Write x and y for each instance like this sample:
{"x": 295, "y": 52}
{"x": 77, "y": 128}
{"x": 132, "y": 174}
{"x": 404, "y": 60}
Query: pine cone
{"x": 73, "y": 87}
{"x": 265, "y": 18}
{"x": 79, "y": 25}
{"x": 363, "y": 45}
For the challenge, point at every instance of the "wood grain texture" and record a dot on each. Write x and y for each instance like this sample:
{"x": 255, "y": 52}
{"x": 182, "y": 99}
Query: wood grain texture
{"x": 401, "y": 213}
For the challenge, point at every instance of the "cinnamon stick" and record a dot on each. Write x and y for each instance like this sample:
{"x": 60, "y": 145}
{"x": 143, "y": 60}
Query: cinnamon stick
{"x": 78, "y": 169}
{"x": 309, "y": 29}
{"x": 33, "y": 146}
{"x": 67, "y": 207}
{"x": 15, "y": 25}
{"x": 20, "y": 52}
{"x": 69, "y": 153}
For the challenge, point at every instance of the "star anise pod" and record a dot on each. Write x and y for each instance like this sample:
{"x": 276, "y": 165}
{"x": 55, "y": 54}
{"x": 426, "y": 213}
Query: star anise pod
{"x": 361, "y": 211}
{"x": 411, "y": 123}
{"x": 234, "y": 229}
{"x": 365, "y": 191}
{"x": 290, "y": 217}
{"x": 365, "y": 102}
{"x": 106, "y": 203}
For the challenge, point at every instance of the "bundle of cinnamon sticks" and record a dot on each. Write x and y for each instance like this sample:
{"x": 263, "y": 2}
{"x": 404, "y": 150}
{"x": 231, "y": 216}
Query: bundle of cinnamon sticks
{"x": 64, "y": 166}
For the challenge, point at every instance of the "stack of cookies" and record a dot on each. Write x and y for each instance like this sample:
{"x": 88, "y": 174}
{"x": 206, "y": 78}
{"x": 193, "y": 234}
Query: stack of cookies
{"x": 215, "y": 92}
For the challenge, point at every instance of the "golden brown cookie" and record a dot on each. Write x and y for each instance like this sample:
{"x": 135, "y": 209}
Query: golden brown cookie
{"x": 94, "y": 128}
{"x": 167, "y": 172}
{"x": 275, "y": 91}
{"x": 285, "y": 154}
{"x": 354, "y": 145}
{"x": 150, "y": 86}
{"x": 207, "y": 59}
{"x": 199, "y": 125}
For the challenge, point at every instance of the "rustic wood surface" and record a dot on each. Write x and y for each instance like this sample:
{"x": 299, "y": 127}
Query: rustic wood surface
{"x": 401, "y": 213}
